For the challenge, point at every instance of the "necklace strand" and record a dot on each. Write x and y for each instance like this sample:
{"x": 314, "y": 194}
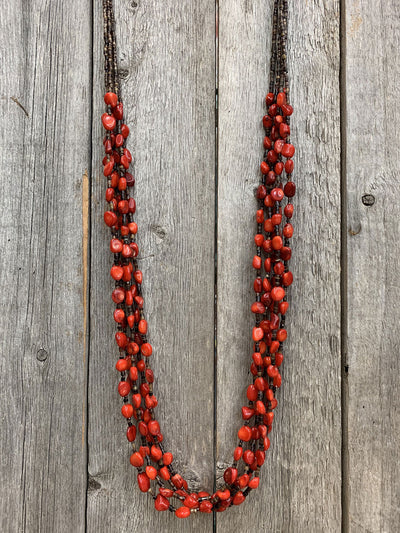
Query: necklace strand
{"x": 155, "y": 467}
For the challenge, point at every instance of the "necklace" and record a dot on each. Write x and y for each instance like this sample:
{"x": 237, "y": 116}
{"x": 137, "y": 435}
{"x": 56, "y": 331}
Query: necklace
{"x": 156, "y": 474}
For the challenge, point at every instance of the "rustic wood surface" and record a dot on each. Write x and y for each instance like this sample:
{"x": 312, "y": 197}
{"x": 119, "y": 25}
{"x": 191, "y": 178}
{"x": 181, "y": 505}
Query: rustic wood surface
{"x": 333, "y": 462}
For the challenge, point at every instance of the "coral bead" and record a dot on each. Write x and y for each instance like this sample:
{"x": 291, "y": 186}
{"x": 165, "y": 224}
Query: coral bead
{"x": 257, "y": 261}
{"x": 136, "y": 459}
{"x": 161, "y": 503}
{"x": 289, "y": 189}
{"x": 127, "y": 410}
{"x": 123, "y": 388}
{"x": 247, "y": 412}
{"x": 258, "y": 308}
{"x": 238, "y": 498}
{"x": 154, "y": 427}
{"x": 131, "y": 433}
{"x": 124, "y": 131}
{"x": 108, "y": 121}
{"x": 182, "y": 512}
{"x": 146, "y": 349}
{"x": 230, "y": 475}
{"x": 254, "y": 483}
{"x": 143, "y": 481}
{"x": 167, "y": 458}
{"x": 289, "y": 166}
{"x": 118, "y": 111}
{"x": 281, "y": 99}
{"x": 258, "y": 334}
{"x": 283, "y": 307}
{"x": 277, "y": 242}
{"x": 244, "y": 433}
{"x": 110, "y": 218}
{"x": 288, "y": 211}
{"x": 237, "y": 454}
{"x": 277, "y": 293}
{"x": 116, "y": 272}
{"x": 115, "y": 246}
{"x": 248, "y": 457}
{"x": 111, "y": 99}
{"x": 288, "y": 150}
{"x": 269, "y": 98}
{"x": 287, "y": 109}
{"x": 151, "y": 472}
{"x": 287, "y": 279}
{"x": 281, "y": 335}
{"x": 277, "y": 194}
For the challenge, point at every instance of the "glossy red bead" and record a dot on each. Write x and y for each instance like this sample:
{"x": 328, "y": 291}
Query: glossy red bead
{"x": 289, "y": 189}
{"x": 161, "y": 503}
{"x": 110, "y": 218}
{"x": 244, "y": 433}
{"x": 143, "y": 481}
{"x": 111, "y": 99}
{"x": 108, "y": 121}
{"x": 182, "y": 512}
{"x": 230, "y": 475}
{"x": 277, "y": 194}
{"x": 288, "y": 150}
{"x": 136, "y": 459}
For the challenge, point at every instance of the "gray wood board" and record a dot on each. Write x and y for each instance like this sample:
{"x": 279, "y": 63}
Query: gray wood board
{"x": 301, "y": 480}
{"x": 167, "y": 59}
{"x": 372, "y": 161}
{"x": 45, "y": 124}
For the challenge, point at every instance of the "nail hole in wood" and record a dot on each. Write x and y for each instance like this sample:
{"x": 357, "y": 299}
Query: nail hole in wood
{"x": 368, "y": 199}
{"x": 42, "y": 355}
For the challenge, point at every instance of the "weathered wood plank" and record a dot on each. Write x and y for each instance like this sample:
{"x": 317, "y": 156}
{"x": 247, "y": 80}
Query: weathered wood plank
{"x": 301, "y": 480}
{"x": 372, "y": 159}
{"x": 45, "y": 141}
{"x": 168, "y": 64}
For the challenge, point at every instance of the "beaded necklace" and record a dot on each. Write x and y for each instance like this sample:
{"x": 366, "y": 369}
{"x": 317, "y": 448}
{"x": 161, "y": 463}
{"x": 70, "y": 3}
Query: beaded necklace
{"x": 156, "y": 474}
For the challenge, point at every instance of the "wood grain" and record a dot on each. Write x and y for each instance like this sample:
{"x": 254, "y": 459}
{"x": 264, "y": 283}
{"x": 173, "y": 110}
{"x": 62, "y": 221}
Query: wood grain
{"x": 45, "y": 141}
{"x": 372, "y": 160}
{"x": 301, "y": 480}
{"x": 167, "y": 59}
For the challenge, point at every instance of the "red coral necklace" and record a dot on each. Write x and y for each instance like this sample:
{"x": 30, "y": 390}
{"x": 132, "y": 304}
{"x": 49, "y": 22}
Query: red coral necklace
{"x": 156, "y": 473}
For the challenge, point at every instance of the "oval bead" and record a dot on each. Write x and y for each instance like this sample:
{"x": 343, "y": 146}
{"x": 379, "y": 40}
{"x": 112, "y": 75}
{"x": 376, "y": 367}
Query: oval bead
{"x": 143, "y": 481}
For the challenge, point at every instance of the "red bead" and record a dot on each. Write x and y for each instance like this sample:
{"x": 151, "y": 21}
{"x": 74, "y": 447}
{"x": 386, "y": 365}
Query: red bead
{"x": 284, "y": 130}
{"x": 286, "y": 253}
{"x": 279, "y": 268}
{"x": 287, "y": 278}
{"x": 161, "y": 503}
{"x": 177, "y": 480}
{"x": 288, "y": 211}
{"x": 259, "y": 407}
{"x": 270, "y": 177}
{"x": 110, "y": 218}
{"x": 230, "y": 475}
{"x": 276, "y": 219}
{"x": 136, "y": 459}
{"x": 264, "y": 167}
{"x": 115, "y": 246}
{"x": 125, "y": 162}
{"x": 257, "y": 261}
{"x": 143, "y": 481}
{"x": 244, "y": 433}
{"x": 237, "y": 454}
{"x": 272, "y": 110}
{"x": 182, "y": 512}
{"x": 258, "y": 334}
{"x": 238, "y": 498}
{"x": 253, "y": 483}
{"x": 156, "y": 452}
{"x": 119, "y": 316}
{"x": 278, "y": 168}
{"x": 269, "y": 98}
{"x": 277, "y": 194}
{"x": 124, "y": 388}
{"x": 289, "y": 166}
{"x": 124, "y": 131}
{"x": 191, "y": 501}
{"x": 146, "y": 349}
{"x": 251, "y": 393}
{"x": 267, "y": 143}
{"x": 261, "y": 192}
{"x": 277, "y": 293}
{"x": 122, "y": 184}
{"x": 272, "y": 156}
{"x": 111, "y": 99}
{"x": 278, "y": 145}
{"x": 247, "y": 412}
{"x": 127, "y": 410}
{"x": 289, "y": 189}
{"x": 205, "y": 506}
{"x": 281, "y": 99}
{"x": 287, "y": 109}
{"x": 258, "y": 307}
{"x": 248, "y": 457}
{"x": 122, "y": 365}
{"x": 151, "y": 472}
{"x": 154, "y": 427}
{"x": 267, "y": 121}
{"x": 121, "y": 339}
{"x": 131, "y": 433}
{"x": 167, "y": 458}
{"x": 108, "y": 121}
{"x": 116, "y": 272}
{"x": 277, "y": 242}
{"x": 118, "y": 111}
{"x": 108, "y": 168}
{"x": 288, "y": 150}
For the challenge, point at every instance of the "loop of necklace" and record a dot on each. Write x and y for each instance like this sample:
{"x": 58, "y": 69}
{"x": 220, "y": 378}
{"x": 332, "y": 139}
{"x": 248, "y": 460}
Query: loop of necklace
{"x": 156, "y": 474}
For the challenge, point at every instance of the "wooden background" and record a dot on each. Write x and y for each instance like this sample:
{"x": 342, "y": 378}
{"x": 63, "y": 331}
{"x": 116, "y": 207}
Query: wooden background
{"x": 333, "y": 462}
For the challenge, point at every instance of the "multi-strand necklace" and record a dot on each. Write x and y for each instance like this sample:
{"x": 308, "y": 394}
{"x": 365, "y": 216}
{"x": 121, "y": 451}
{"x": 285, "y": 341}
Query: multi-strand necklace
{"x": 156, "y": 473}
